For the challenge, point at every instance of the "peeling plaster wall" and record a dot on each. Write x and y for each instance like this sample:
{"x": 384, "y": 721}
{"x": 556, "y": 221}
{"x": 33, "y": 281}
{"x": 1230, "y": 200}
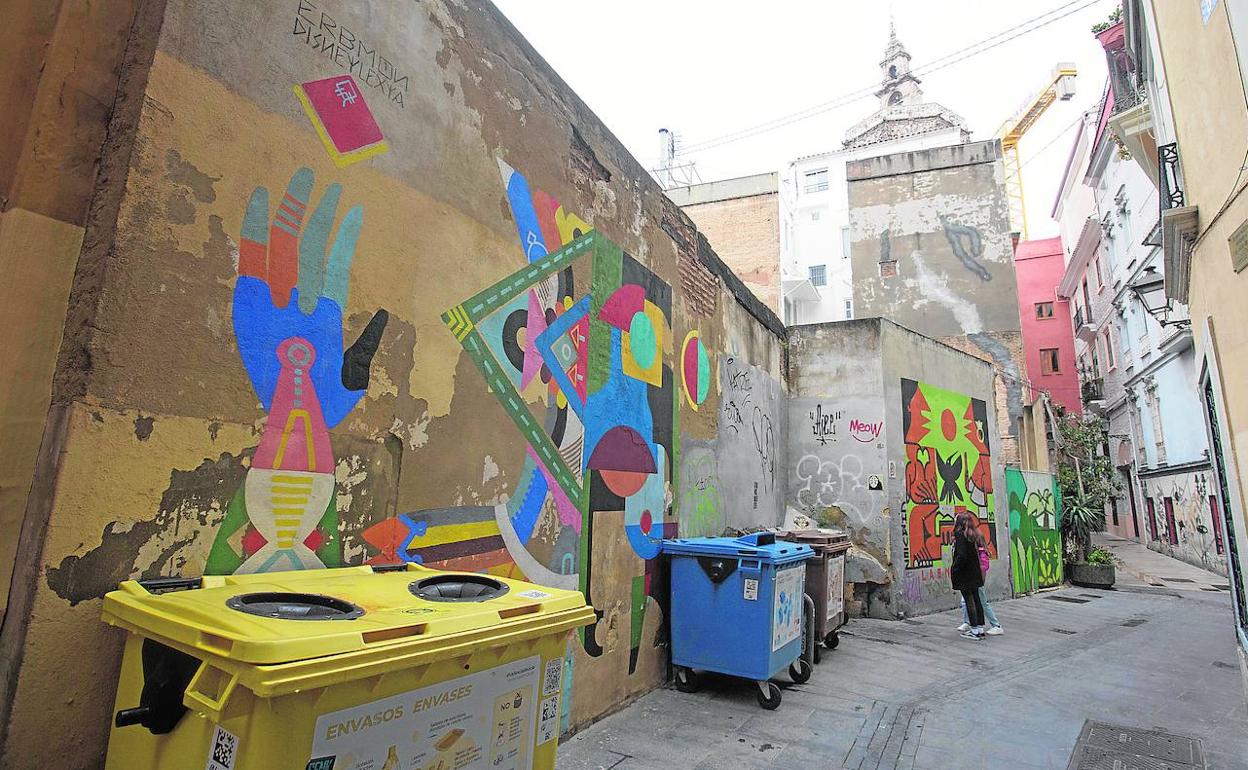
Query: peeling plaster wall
{"x": 414, "y": 386}
{"x": 837, "y": 446}
{"x": 858, "y": 462}
{"x": 931, "y": 250}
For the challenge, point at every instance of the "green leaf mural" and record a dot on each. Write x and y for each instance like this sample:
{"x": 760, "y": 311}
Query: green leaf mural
{"x": 1035, "y": 529}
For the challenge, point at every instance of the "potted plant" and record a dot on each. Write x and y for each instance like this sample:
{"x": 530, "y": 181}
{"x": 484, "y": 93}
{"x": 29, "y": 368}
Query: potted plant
{"x": 1086, "y": 479}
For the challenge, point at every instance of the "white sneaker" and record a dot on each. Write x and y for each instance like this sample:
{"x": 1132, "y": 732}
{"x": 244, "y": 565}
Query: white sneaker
{"x": 995, "y": 631}
{"x": 964, "y": 627}
{"x": 968, "y": 634}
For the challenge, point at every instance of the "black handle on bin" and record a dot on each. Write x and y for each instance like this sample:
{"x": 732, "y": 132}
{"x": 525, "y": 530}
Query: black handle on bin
{"x": 380, "y": 568}
{"x": 153, "y": 585}
{"x": 135, "y": 716}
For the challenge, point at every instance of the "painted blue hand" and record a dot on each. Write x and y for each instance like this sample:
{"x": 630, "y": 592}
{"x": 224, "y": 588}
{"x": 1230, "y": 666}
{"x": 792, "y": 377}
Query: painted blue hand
{"x": 287, "y": 288}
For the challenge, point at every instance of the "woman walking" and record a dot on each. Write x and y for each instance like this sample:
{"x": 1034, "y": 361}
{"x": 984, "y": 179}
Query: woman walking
{"x": 966, "y": 575}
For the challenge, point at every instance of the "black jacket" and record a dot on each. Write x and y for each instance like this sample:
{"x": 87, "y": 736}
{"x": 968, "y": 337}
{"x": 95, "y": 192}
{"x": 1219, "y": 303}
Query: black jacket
{"x": 965, "y": 574}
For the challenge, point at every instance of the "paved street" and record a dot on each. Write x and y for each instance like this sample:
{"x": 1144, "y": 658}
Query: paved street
{"x": 912, "y": 694}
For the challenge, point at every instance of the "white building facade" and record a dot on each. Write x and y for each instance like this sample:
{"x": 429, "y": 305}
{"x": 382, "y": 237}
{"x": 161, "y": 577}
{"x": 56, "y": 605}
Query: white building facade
{"x": 817, "y": 281}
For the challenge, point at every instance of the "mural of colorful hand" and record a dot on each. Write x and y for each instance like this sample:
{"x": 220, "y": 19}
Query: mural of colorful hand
{"x": 288, "y": 325}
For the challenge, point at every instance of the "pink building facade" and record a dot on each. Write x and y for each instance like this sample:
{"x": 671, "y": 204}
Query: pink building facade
{"x": 1048, "y": 340}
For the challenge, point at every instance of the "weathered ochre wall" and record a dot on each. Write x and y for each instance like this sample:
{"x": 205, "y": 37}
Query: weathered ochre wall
{"x": 59, "y": 64}
{"x": 745, "y": 232}
{"x": 502, "y": 338}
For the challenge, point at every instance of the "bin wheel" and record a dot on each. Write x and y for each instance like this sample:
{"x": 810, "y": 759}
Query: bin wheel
{"x": 686, "y": 680}
{"x": 770, "y": 701}
{"x": 800, "y": 671}
{"x": 832, "y": 640}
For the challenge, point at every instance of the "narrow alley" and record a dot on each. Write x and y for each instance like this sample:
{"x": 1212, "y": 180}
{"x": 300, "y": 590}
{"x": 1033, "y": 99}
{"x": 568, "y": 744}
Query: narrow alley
{"x": 912, "y": 695}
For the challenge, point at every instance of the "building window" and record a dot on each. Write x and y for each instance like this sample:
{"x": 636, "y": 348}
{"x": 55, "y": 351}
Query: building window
{"x": 1152, "y": 518}
{"x": 1111, "y": 359}
{"x": 1050, "y": 363}
{"x": 1172, "y": 531}
{"x": 892, "y": 70}
{"x": 816, "y": 181}
{"x": 845, "y": 243}
{"x": 1100, "y": 279}
{"x": 849, "y": 309}
{"x": 1044, "y": 310}
{"x": 814, "y": 215}
{"x": 819, "y": 275}
{"x": 1216, "y": 516}
{"x": 1154, "y": 411}
{"x": 1087, "y": 301}
{"x": 1113, "y": 511}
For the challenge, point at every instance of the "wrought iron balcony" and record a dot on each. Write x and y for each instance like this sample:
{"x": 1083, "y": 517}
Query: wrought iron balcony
{"x": 1093, "y": 392}
{"x": 1083, "y": 327}
{"x": 1124, "y": 79}
{"x": 1169, "y": 188}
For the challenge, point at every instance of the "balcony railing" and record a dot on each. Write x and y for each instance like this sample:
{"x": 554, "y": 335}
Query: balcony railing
{"x": 1128, "y": 93}
{"x": 1171, "y": 192}
{"x": 1092, "y": 390}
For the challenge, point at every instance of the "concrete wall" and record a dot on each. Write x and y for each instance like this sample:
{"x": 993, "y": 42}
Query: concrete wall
{"x": 838, "y": 467}
{"x": 931, "y": 249}
{"x": 472, "y": 325}
{"x": 891, "y": 433}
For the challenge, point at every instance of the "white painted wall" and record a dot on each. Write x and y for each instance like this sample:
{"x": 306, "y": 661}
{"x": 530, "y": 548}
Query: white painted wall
{"x": 820, "y": 218}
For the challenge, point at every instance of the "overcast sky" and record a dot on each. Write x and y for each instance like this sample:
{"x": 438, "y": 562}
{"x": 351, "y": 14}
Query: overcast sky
{"x": 706, "y": 68}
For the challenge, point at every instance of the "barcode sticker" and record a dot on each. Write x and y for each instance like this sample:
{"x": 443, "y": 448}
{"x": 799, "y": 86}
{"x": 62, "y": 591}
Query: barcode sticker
{"x": 553, "y": 677}
{"x": 750, "y": 592}
{"x": 224, "y": 750}
{"x": 548, "y": 724}
{"x": 533, "y": 593}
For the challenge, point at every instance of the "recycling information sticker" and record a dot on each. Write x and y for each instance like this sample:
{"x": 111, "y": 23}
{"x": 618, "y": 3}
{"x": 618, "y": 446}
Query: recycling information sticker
{"x": 786, "y": 620}
{"x": 482, "y": 721}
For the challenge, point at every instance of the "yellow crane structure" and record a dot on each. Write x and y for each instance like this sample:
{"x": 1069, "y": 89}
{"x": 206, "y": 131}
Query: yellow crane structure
{"x": 1060, "y": 88}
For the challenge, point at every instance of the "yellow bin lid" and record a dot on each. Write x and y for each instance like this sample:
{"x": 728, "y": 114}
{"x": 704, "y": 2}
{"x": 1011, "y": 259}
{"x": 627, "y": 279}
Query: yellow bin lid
{"x": 283, "y": 617}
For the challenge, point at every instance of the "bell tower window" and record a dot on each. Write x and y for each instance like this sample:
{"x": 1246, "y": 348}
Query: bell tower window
{"x": 892, "y": 70}
{"x": 894, "y": 98}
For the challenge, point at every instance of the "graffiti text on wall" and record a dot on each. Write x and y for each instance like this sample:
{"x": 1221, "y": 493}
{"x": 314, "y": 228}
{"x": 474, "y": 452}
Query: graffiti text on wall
{"x": 948, "y": 469}
{"x": 322, "y": 33}
{"x": 823, "y": 424}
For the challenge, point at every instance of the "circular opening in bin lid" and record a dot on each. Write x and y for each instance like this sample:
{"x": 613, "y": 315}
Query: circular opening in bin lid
{"x": 458, "y": 588}
{"x": 294, "y": 606}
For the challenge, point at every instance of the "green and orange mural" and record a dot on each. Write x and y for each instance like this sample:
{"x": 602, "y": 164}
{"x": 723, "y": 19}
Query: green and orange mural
{"x": 948, "y": 469}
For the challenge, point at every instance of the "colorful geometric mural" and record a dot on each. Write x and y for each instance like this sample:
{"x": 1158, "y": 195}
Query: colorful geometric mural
{"x": 1035, "y": 529}
{"x": 948, "y": 469}
{"x": 287, "y": 315}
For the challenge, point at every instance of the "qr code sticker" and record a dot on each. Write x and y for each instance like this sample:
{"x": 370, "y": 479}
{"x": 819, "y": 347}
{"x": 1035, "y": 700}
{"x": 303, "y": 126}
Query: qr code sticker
{"x": 224, "y": 750}
{"x": 548, "y": 724}
{"x": 554, "y": 673}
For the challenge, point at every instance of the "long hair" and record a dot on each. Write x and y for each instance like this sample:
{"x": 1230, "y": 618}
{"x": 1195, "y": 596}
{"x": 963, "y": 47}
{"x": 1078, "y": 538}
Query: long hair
{"x": 964, "y": 522}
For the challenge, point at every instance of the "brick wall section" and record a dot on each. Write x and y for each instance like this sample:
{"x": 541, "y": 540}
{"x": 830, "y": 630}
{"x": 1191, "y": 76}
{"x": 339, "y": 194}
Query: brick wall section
{"x": 745, "y": 233}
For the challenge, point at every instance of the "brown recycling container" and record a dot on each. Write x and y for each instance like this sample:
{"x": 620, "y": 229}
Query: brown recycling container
{"x": 825, "y": 579}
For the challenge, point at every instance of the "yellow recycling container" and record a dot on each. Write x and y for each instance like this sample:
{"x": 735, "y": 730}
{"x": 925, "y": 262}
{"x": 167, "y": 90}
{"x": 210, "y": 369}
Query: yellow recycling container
{"x": 356, "y": 668}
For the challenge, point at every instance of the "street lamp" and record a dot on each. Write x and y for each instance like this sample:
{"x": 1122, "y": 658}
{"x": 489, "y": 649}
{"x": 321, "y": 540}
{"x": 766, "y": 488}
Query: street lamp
{"x": 1150, "y": 290}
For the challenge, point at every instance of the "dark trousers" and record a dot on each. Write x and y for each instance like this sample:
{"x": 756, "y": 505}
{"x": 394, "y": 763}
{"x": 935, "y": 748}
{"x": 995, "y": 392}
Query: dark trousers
{"x": 974, "y": 608}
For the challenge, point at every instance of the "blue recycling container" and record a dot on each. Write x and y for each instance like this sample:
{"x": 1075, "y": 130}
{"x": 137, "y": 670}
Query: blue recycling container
{"x": 736, "y": 609}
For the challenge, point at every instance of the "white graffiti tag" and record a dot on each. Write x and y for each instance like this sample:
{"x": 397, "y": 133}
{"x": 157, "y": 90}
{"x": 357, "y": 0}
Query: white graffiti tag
{"x": 832, "y": 483}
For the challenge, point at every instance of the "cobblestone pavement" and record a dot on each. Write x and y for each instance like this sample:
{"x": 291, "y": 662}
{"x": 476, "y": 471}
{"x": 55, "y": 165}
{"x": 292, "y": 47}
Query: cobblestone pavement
{"x": 913, "y": 695}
